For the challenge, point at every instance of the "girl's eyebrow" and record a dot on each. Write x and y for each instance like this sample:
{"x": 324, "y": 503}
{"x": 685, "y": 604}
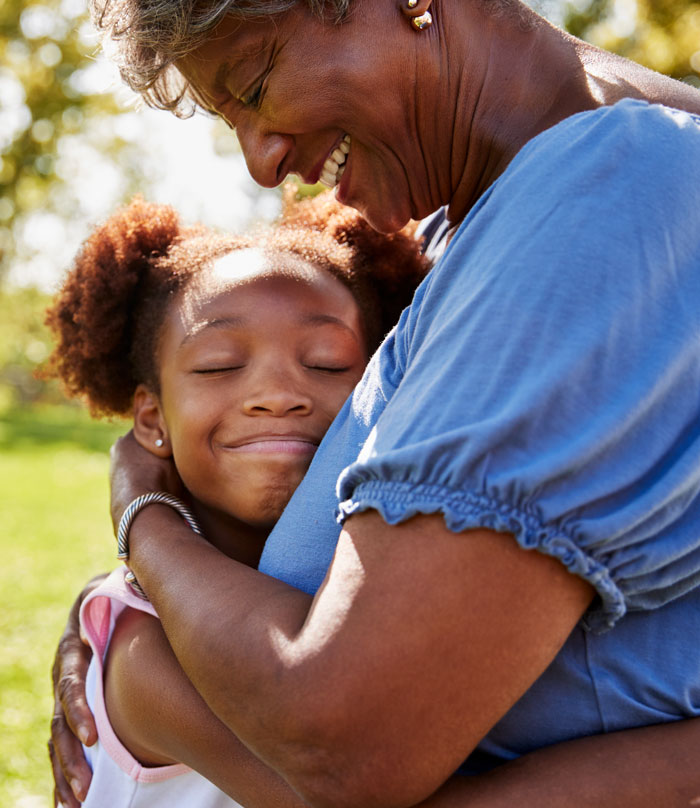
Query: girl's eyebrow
{"x": 219, "y": 322}
{"x": 325, "y": 319}
{"x": 240, "y": 322}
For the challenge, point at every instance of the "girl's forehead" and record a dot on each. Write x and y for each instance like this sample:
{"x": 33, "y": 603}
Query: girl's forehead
{"x": 241, "y": 266}
{"x": 259, "y": 276}
{"x": 238, "y": 265}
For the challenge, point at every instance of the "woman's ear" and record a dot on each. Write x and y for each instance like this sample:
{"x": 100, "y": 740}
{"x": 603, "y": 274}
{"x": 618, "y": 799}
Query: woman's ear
{"x": 149, "y": 425}
{"x": 418, "y": 13}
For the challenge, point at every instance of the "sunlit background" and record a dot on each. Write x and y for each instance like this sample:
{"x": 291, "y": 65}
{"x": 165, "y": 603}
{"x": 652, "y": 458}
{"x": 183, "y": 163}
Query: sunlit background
{"x": 73, "y": 145}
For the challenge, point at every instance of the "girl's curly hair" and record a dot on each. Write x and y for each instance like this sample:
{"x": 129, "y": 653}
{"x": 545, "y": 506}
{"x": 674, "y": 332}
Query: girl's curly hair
{"x": 108, "y": 314}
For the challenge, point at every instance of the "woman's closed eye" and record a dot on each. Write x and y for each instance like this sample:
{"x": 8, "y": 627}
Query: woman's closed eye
{"x": 253, "y": 98}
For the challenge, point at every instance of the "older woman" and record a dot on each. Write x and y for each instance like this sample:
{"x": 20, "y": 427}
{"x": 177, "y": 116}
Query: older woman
{"x": 537, "y": 395}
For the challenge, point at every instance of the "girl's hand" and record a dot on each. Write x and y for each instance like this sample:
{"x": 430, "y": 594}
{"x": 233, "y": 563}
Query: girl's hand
{"x": 72, "y": 720}
{"x": 135, "y": 471}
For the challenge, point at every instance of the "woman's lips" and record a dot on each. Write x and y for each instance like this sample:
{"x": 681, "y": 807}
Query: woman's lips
{"x": 275, "y": 445}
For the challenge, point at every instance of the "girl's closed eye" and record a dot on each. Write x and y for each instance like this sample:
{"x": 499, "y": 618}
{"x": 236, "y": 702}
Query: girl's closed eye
{"x": 203, "y": 371}
{"x": 330, "y": 368}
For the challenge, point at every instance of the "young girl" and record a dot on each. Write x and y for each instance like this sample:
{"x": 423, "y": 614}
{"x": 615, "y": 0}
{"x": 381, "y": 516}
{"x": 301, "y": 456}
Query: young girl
{"x": 234, "y": 355}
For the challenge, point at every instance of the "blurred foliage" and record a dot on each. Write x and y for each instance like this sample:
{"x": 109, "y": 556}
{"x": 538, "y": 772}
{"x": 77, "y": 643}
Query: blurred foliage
{"x": 55, "y": 533}
{"x": 25, "y": 343}
{"x": 47, "y": 57}
{"x": 661, "y": 34}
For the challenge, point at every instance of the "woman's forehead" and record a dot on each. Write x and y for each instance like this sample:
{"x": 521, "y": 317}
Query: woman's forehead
{"x": 232, "y": 45}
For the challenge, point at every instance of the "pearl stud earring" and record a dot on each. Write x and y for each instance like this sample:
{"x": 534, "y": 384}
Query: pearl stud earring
{"x": 159, "y": 442}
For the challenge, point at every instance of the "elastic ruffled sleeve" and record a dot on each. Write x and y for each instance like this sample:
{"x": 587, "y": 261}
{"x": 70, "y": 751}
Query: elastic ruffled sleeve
{"x": 548, "y": 376}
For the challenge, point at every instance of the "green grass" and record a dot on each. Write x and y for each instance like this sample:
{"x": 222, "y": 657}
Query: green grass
{"x": 55, "y": 533}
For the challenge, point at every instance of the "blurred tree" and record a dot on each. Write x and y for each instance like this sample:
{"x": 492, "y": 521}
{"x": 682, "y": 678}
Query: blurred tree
{"x": 48, "y": 95}
{"x": 25, "y": 344}
{"x": 661, "y": 34}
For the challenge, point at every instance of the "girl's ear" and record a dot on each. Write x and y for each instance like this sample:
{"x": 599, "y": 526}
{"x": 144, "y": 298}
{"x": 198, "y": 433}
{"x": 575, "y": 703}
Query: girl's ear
{"x": 149, "y": 425}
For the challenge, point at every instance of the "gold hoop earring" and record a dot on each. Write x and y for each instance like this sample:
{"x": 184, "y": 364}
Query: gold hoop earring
{"x": 422, "y": 22}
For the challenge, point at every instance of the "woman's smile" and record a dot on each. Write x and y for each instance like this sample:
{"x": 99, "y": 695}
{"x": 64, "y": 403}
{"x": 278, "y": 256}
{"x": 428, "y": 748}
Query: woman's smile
{"x": 334, "y": 166}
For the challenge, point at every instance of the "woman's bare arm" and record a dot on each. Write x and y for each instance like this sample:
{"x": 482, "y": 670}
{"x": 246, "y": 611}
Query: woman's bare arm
{"x": 157, "y": 712}
{"x": 374, "y": 692}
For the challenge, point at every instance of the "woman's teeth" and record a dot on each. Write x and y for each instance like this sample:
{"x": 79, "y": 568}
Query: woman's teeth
{"x": 334, "y": 166}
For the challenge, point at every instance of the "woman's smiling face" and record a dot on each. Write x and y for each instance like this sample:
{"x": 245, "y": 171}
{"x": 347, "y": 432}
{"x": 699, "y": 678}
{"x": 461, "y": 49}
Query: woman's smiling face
{"x": 256, "y": 357}
{"x": 295, "y": 88}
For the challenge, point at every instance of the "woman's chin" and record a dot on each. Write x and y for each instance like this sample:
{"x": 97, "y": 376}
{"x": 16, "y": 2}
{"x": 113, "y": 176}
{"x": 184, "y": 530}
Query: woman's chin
{"x": 384, "y": 220}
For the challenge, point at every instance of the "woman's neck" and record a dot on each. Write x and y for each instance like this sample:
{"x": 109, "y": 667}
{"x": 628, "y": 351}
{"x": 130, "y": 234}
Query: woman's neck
{"x": 523, "y": 76}
{"x": 236, "y": 539}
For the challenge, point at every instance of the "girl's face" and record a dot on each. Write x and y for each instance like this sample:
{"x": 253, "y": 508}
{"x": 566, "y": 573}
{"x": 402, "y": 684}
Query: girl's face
{"x": 256, "y": 357}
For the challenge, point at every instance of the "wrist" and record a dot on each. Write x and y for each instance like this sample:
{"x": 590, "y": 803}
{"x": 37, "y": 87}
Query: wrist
{"x": 135, "y": 509}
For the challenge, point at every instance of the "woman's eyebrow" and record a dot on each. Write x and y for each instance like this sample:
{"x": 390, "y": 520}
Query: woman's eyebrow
{"x": 237, "y": 59}
{"x": 221, "y": 74}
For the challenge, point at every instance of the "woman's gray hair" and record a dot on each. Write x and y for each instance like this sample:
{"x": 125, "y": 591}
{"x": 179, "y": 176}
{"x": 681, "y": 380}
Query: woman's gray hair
{"x": 151, "y": 35}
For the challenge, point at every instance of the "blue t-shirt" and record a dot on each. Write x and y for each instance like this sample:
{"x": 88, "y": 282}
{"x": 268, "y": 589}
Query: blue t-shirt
{"x": 545, "y": 381}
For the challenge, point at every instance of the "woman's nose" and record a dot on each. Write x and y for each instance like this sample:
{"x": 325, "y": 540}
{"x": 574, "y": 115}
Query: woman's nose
{"x": 265, "y": 154}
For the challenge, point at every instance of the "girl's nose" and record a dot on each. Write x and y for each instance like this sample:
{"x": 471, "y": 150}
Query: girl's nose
{"x": 264, "y": 153}
{"x": 277, "y": 396}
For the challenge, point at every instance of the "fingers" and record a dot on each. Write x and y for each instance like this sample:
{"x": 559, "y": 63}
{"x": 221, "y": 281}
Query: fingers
{"x": 72, "y": 715}
{"x": 69, "y": 674}
{"x": 70, "y": 697}
{"x": 62, "y": 794}
{"x": 70, "y": 769}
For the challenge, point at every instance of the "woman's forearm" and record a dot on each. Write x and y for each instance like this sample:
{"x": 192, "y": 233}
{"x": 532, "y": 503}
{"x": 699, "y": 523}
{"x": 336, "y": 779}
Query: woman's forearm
{"x": 351, "y": 700}
{"x": 156, "y": 707}
{"x": 649, "y": 767}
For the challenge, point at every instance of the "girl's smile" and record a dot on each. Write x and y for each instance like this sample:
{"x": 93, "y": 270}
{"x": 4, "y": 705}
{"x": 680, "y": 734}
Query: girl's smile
{"x": 275, "y": 444}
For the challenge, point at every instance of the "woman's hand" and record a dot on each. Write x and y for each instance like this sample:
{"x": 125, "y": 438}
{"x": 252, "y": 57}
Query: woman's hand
{"x": 72, "y": 721}
{"x": 135, "y": 471}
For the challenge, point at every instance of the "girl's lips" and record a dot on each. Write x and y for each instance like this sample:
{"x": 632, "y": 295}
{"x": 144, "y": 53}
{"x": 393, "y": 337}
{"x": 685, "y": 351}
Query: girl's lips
{"x": 276, "y": 445}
